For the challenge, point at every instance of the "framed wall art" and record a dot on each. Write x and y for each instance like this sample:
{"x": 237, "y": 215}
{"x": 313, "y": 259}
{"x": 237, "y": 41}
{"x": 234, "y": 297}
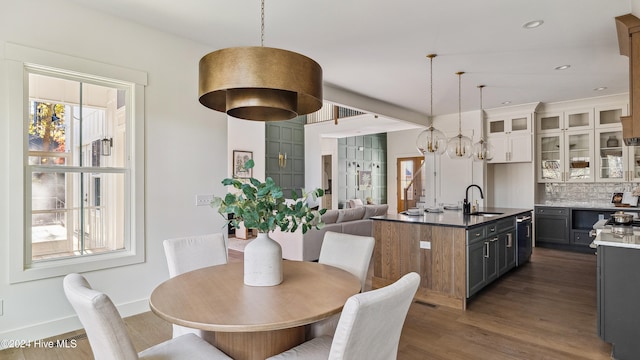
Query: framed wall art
{"x": 364, "y": 180}
{"x": 240, "y": 157}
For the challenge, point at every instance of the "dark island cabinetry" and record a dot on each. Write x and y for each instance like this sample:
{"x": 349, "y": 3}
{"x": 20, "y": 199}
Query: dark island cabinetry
{"x": 491, "y": 252}
{"x": 618, "y": 305}
{"x": 455, "y": 254}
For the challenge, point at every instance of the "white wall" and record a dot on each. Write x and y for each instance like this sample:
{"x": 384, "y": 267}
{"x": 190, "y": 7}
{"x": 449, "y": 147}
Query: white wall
{"x": 511, "y": 185}
{"x": 186, "y": 147}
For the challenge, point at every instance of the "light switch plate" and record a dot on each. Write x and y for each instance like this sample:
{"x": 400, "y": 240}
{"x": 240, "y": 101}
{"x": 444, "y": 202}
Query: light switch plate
{"x": 1, "y": 307}
{"x": 204, "y": 200}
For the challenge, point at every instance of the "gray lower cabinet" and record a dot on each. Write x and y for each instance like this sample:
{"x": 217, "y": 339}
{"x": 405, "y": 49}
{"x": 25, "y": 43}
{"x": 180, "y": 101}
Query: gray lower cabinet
{"x": 506, "y": 252}
{"x": 552, "y": 225}
{"x": 476, "y": 273}
{"x": 618, "y": 293}
{"x": 491, "y": 263}
{"x": 491, "y": 252}
{"x": 567, "y": 228}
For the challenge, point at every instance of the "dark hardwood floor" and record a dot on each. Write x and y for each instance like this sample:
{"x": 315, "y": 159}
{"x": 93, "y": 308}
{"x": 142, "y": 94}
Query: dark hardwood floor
{"x": 543, "y": 310}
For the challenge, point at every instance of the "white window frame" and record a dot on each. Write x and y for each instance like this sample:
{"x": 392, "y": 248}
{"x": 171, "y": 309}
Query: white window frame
{"x": 21, "y": 267}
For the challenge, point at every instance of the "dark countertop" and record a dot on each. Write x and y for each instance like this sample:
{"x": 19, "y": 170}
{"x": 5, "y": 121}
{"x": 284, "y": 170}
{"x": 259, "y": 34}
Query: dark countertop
{"x": 454, "y": 218}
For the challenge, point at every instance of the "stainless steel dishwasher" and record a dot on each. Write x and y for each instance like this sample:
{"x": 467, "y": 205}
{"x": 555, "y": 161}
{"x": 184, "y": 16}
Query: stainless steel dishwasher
{"x": 525, "y": 242}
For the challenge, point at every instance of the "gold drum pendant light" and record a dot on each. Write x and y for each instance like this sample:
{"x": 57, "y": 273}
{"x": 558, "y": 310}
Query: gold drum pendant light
{"x": 459, "y": 146}
{"x": 260, "y": 83}
{"x": 431, "y": 140}
{"x": 482, "y": 150}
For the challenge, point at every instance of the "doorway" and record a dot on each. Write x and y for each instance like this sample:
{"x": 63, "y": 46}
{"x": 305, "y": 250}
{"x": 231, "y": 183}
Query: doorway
{"x": 409, "y": 175}
{"x": 326, "y": 181}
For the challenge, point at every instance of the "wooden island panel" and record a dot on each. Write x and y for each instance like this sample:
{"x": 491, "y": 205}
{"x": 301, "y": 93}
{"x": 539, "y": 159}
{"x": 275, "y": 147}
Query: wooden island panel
{"x": 442, "y": 267}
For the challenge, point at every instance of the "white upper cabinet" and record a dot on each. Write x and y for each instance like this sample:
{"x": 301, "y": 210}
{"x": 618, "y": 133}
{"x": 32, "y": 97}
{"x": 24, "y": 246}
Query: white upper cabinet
{"x": 616, "y": 161}
{"x": 565, "y": 156}
{"x": 584, "y": 144}
{"x": 510, "y": 136}
{"x": 608, "y": 116}
{"x": 578, "y": 119}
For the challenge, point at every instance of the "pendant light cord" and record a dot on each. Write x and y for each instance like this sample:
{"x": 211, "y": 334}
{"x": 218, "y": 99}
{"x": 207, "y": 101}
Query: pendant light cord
{"x": 431, "y": 91}
{"x": 481, "y": 115}
{"x": 262, "y": 24}
{"x": 431, "y": 56}
{"x": 460, "y": 102}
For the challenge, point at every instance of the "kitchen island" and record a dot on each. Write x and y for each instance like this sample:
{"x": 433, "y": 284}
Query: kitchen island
{"x": 618, "y": 280}
{"x": 455, "y": 254}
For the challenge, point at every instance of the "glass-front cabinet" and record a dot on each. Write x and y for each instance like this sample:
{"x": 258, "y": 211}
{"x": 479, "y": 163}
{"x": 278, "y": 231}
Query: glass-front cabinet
{"x": 566, "y": 156}
{"x": 616, "y": 161}
{"x": 608, "y": 116}
{"x": 581, "y": 119}
{"x": 585, "y": 145}
{"x": 551, "y": 161}
{"x": 611, "y": 158}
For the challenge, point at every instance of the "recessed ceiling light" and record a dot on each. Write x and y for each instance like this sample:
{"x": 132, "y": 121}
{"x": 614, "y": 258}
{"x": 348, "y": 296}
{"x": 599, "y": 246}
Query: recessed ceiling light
{"x": 506, "y": 102}
{"x": 562, "y": 67}
{"x": 532, "y": 24}
{"x": 601, "y": 88}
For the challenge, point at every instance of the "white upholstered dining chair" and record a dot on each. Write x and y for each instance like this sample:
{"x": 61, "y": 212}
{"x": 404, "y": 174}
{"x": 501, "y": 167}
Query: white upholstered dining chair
{"x": 108, "y": 334}
{"x": 348, "y": 252}
{"x": 369, "y": 328}
{"x": 191, "y": 253}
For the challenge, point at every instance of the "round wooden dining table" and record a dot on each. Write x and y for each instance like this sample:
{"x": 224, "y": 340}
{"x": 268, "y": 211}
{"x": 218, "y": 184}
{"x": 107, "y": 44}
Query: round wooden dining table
{"x": 252, "y": 322}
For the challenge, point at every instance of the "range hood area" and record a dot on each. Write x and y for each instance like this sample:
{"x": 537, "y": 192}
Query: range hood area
{"x": 628, "y": 28}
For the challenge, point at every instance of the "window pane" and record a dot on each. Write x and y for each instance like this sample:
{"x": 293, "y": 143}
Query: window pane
{"x": 76, "y": 214}
{"x": 84, "y": 121}
{"x": 47, "y": 127}
{"x": 406, "y": 170}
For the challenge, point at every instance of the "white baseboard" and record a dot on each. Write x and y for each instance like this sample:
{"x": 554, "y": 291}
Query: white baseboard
{"x": 59, "y": 326}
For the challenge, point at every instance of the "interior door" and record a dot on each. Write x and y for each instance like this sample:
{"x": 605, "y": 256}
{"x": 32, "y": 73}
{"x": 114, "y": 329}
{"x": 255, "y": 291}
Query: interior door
{"x": 409, "y": 177}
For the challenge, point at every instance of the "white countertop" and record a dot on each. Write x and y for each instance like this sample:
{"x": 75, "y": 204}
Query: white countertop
{"x": 630, "y": 238}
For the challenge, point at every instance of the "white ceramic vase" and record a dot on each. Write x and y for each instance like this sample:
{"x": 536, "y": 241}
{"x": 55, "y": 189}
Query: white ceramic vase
{"x": 263, "y": 262}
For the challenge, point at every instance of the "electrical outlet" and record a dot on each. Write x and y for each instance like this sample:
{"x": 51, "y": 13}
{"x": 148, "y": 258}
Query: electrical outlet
{"x": 204, "y": 200}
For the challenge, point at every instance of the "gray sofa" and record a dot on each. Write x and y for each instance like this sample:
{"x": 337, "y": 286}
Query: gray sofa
{"x": 306, "y": 247}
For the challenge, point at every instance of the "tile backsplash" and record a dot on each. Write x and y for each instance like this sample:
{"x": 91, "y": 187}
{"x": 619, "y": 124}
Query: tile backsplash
{"x": 586, "y": 193}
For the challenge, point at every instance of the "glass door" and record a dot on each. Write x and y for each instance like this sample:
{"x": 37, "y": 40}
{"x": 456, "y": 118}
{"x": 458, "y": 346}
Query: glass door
{"x": 409, "y": 182}
{"x": 579, "y": 155}
{"x": 551, "y": 165}
{"x": 611, "y": 161}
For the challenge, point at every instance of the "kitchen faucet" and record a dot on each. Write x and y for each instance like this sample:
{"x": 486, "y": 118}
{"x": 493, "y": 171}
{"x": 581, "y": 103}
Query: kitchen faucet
{"x": 466, "y": 206}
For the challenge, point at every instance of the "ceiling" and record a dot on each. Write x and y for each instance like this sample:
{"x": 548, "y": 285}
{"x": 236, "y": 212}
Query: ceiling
{"x": 378, "y": 48}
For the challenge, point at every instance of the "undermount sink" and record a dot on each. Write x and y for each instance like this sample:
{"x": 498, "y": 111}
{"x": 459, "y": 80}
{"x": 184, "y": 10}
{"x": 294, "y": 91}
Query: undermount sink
{"x": 486, "y": 213}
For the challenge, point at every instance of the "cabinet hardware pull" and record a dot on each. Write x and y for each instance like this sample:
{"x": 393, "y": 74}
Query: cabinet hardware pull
{"x": 528, "y": 230}
{"x": 494, "y": 239}
{"x": 509, "y": 241}
{"x": 486, "y": 249}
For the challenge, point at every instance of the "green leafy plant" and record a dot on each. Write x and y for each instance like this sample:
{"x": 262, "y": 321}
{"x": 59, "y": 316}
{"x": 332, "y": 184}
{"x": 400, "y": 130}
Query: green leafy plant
{"x": 262, "y": 206}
